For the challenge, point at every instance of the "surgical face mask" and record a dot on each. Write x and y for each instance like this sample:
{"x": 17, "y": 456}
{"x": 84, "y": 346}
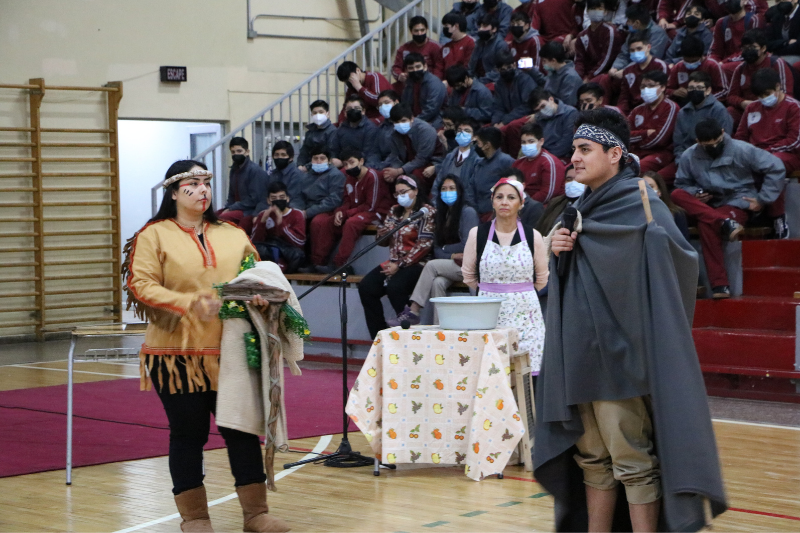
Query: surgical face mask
{"x": 696, "y": 96}
{"x": 649, "y": 94}
{"x": 463, "y": 138}
{"x": 750, "y": 55}
{"x": 530, "y": 150}
{"x": 769, "y": 101}
{"x": 484, "y": 35}
{"x": 280, "y": 162}
{"x": 692, "y": 66}
{"x": 405, "y": 200}
{"x": 639, "y": 56}
{"x": 354, "y": 171}
{"x": 479, "y": 151}
{"x": 354, "y": 115}
{"x": 547, "y": 111}
{"x": 402, "y": 127}
{"x": 714, "y": 150}
{"x": 385, "y": 110}
{"x": 281, "y": 204}
{"x": 319, "y": 168}
{"x": 691, "y": 21}
{"x": 419, "y": 39}
{"x": 596, "y": 15}
{"x": 416, "y": 76}
{"x": 449, "y": 197}
{"x": 549, "y": 68}
{"x": 574, "y": 189}
{"x": 517, "y": 31}
{"x": 319, "y": 119}
{"x": 238, "y": 159}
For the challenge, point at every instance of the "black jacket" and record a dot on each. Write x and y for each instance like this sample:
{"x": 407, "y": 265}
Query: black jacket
{"x": 776, "y": 43}
{"x": 249, "y": 181}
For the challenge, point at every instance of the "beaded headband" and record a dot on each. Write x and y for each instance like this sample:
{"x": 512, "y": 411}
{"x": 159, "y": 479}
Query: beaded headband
{"x": 183, "y": 175}
{"x": 510, "y": 181}
{"x": 601, "y": 136}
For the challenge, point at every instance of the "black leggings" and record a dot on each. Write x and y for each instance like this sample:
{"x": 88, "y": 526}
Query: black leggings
{"x": 398, "y": 288}
{"x": 189, "y": 424}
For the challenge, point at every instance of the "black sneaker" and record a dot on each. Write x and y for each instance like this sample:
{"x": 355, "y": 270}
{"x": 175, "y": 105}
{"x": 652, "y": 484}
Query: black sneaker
{"x": 731, "y": 229}
{"x": 721, "y": 292}
{"x": 781, "y": 227}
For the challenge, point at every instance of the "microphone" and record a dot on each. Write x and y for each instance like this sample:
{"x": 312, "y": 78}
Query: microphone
{"x": 568, "y": 222}
{"x": 405, "y": 324}
{"x": 423, "y": 212}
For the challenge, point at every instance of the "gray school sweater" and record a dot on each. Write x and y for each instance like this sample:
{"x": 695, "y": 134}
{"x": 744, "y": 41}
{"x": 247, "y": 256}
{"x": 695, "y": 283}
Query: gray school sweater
{"x": 486, "y": 174}
{"x": 321, "y": 193}
{"x": 432, "y": 94}
{"x": 511, "y": 99}
{"x": 423, "y": 141}
{"x": 477, "y": 103}
{"x": 362, "y": 137}
{"x": 564, "y": 83}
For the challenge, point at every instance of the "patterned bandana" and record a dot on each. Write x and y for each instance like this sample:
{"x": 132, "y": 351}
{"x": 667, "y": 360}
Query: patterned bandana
{"x": 184, "y": 175}
{"x": 408, "y": 180}
{"x": 601, "y": 136}
{"x": 510, "y": 181}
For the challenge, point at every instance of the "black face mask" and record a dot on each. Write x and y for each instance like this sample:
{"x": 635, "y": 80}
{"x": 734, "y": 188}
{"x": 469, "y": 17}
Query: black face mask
{"x": 416, "y": 76}
{"x": 479, "y": 151}
{"x": 733, "y": 6}
{"x": 517, "y": 31}
{"x": 354, "y": 115}
{"x": 785, "y": 8}
{"x": 355, "y": 171}
{"x": 692, "y": 22}
{"x": 507, "y": 75}
{"x": 450, "y": 135}
{"x": 419, "y": 39}
{"x": 490, "y": 4}
{"x": 280, "y": 162}
{"x": 714, "y": 150}
{"x": 281, "y": 204}
{"x": 750, "y": 55}
{"x": 239, "y": 159}
{"x": 468, "y": 6}
{"x": 696, "y": 96}
{"x": 447, "y": 33}
{"x": 484, "y": 35}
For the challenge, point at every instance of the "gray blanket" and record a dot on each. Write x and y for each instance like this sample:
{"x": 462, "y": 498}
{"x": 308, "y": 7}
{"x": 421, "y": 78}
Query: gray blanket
{"x": 622, "y": 328}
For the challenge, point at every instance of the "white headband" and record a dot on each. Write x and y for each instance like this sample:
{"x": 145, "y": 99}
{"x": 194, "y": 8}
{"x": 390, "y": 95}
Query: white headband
{"x": 184, "y": 175}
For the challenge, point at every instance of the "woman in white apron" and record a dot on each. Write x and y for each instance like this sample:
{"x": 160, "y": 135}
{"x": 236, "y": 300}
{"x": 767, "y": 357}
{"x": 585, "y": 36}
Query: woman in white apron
{"x": 504, "y": 258}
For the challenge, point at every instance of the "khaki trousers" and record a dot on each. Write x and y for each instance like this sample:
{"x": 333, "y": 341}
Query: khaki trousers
{"x": 617, "y": 446}
{"x": 436, "y": 278}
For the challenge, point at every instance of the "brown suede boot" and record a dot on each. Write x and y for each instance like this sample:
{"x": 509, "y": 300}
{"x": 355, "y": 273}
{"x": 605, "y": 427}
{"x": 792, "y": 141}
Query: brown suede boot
{"x": 193, "y": 507}
{"x": 253, "y": 499}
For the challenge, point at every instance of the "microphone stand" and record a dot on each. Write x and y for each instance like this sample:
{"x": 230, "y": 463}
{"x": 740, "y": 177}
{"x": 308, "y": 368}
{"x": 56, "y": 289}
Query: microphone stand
{"x": 345, "y": 457}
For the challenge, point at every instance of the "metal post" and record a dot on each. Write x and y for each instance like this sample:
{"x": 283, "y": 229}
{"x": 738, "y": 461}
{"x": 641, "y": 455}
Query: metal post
{"x": 264, "y": 153}
{"x": 70, "y": 364}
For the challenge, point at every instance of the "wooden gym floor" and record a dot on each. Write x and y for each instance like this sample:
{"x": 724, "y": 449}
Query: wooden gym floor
{"x": 761, "y": 468}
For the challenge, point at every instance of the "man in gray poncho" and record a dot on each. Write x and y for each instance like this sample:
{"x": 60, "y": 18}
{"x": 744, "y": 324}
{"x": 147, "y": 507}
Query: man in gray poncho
{"x": 620, "y": 398}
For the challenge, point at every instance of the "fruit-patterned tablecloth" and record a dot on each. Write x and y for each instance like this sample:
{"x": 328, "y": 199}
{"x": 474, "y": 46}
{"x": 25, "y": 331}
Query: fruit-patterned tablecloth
{"x": 439, "y": 396}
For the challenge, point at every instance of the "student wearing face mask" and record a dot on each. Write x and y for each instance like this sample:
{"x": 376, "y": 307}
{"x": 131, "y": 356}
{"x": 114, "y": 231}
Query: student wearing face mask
{"x": 528, "y": 8}
{"x": 694, "y": 26}
{"x": 469, "y": 10}
{"x": 279, "y": 233}
{"x": 598, "y": 45}
{"x": 286, "y": 172}
{"x": 415, "y": 145}
{"x": 511, "y": 91}
{"x": 469, "y": 94}
{"x": 246, "y": 186}
{"x": 366, "y": 201}
{"x": 383, "y": 144}
{"x": 357, "y": 132}
{"x": 459, "y": 47}
{"x": 488, "y": 169}
{"x": 483, "y": 63}
{"x": 591, "y": 96}
{"x": 454, "y": 219}
{"x": 701, "y": 105}
{"x": 726, "y": 48}
{"x": 409, "y": 249}
{"x": 562, "y": 79}
{"x": 319, "y": 131}
{"x": 572, "y": 191}
{"x": 694, "y": 61}
{"x": 639, "y": 23}
{"x": 499, "y": 10}
{"x": 784, "y": 30}
{"x": 323, "y": 187}
{"x": 719, "y": 9}
{"x": 756, "y": 57}
{"x": 716, "y": 186}
{"x": 523, "y": 40}
{"x": 543, "y": 172}
{"x": 447, "y": 134}
{"x": 421, "y": 44}
{"x": 643, "y": 61}
{"x": 424, "y": 93}
{"x": 556, "y": 118}
{"x": 653, "y": 123}
{"x": 368, "y": 85}
{"x": 460, "y": 162}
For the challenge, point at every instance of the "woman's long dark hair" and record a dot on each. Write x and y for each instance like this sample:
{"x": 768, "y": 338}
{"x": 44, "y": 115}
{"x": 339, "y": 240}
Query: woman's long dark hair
{"x": 662, "y": 187}
{"x": 169, "y": 208}
{"x": 448, "y": 217}
{"x": 419, "y": 202}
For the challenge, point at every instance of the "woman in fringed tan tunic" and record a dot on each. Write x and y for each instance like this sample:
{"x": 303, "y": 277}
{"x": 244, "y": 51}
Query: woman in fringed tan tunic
{"x": 171, "y": 266}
